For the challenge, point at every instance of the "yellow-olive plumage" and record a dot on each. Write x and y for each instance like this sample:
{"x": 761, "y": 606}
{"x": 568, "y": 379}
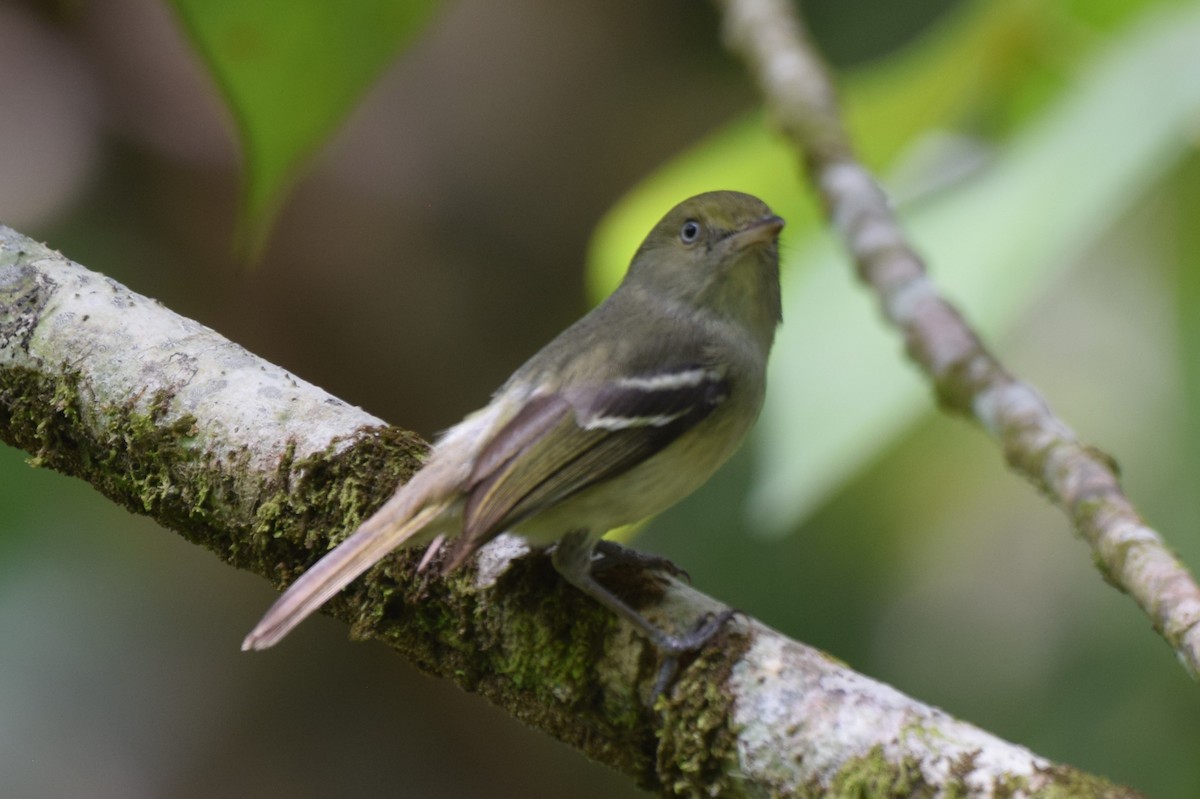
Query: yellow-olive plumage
{"x": 621, "y": 415}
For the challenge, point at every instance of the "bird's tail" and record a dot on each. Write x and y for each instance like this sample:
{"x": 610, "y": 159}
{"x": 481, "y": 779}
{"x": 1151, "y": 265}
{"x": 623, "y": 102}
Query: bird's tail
{"x": 392, "y": 526}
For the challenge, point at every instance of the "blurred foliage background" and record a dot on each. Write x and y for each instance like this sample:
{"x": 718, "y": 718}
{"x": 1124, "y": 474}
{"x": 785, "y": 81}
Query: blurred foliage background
{"x": 411, "y": 254}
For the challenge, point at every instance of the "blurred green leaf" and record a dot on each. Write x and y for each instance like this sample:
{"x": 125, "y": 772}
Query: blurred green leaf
{"x": 937, "y": 83}
{"x": 1084, "y": 137}
{"x": 840, "y": 388}
{"x": 1185, "y": 204}
{"x": 290, "y": 73}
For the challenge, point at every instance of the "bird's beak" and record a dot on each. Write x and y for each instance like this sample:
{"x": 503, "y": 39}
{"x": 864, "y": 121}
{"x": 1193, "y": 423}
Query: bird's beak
{"x": 760, "y": 231}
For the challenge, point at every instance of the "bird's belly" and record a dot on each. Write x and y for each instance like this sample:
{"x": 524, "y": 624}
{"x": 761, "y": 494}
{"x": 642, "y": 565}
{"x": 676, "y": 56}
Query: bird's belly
{"x": 648, "y": 488}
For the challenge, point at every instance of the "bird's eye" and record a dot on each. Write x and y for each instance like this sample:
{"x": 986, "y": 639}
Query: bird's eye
{"x": 689, "y": 232}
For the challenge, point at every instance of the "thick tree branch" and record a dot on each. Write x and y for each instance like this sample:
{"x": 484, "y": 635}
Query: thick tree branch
{"x": 169, "y": 419}
{"x": 966, "y": 377}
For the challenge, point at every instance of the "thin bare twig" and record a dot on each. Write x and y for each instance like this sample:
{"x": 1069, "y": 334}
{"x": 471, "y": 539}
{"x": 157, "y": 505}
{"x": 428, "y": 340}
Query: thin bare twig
{"x": 967, "y": 378}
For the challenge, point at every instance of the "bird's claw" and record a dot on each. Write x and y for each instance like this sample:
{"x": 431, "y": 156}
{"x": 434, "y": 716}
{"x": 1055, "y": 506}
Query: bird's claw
{"x": 675, "y": 646}
{"x": 613, "y": 554}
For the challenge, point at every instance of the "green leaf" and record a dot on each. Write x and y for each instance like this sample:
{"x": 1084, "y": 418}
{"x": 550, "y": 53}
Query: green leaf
{"x": 290, "y": 73}
{"x": 888, "y": 107}
{"x": 1185, "y": 207}
{"x": 993, "y": 243}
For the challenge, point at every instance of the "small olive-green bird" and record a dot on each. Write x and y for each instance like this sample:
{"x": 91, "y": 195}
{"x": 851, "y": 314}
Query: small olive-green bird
{"x": 626, "y": 412}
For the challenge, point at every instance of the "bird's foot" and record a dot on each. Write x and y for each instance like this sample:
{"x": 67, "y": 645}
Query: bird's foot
{"x": 674, "y": 647}
{"x": 613, "y": 554}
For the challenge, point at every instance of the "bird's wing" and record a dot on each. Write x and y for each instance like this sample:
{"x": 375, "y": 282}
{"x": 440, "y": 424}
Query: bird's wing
{"x": 562, "y": 443}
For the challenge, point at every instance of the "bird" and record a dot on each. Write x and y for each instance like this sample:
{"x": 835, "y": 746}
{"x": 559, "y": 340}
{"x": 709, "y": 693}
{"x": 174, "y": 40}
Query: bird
{"x": 620, "y": 416}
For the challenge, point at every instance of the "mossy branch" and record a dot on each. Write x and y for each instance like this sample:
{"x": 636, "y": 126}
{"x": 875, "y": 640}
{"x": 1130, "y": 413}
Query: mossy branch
{"x": 168, "y": 419}
{"x": 966, "y": 377}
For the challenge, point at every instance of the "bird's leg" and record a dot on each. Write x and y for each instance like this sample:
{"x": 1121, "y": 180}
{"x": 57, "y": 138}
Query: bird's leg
{"x": 573, "y": 559}
{"x": 431, "y": 552}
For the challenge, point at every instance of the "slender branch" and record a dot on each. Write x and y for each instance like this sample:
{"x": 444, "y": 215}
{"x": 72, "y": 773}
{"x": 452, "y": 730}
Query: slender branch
{"x": 169, "y": 419}
{"x": 967, "y": 378}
